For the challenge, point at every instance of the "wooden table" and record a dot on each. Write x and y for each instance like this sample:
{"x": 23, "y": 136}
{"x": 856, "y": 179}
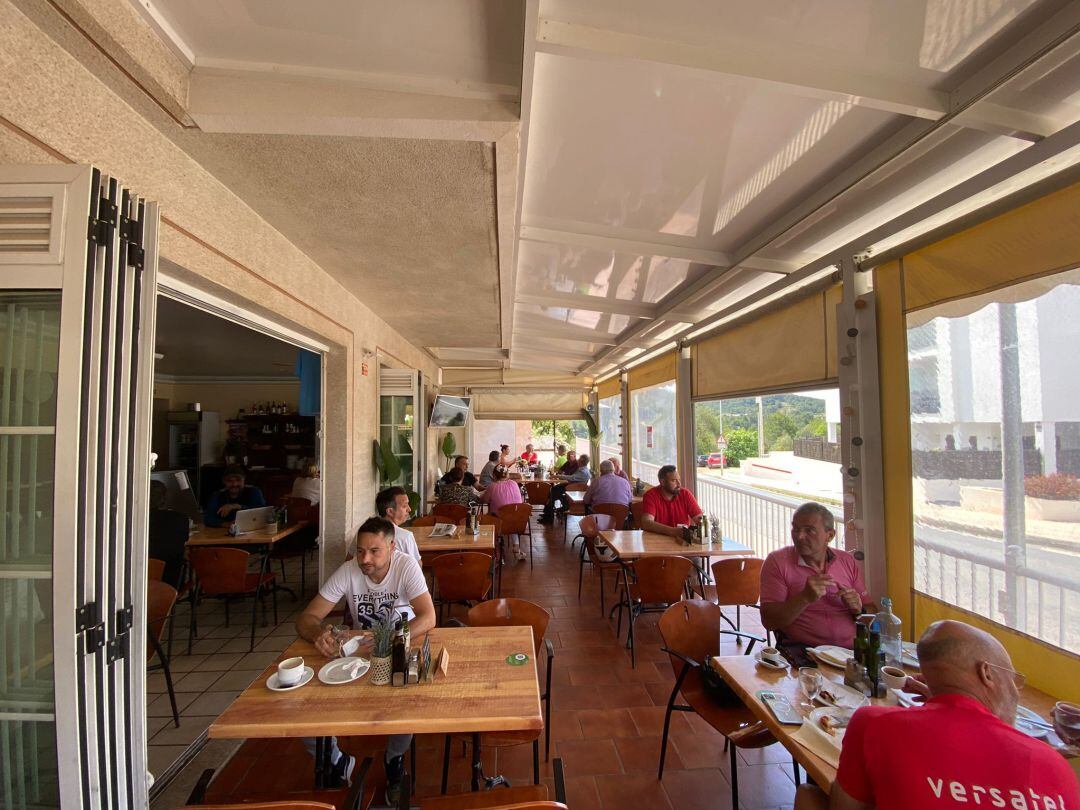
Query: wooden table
{"x": 635, "y": 544}
{"x": 747, "y": 678}
{"x": 430, "y": 546}
{"x": 259, "y": 541}
{"x": 480, "y": 693}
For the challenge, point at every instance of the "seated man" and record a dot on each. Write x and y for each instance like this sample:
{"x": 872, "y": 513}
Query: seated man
{"x": 569, "y": 466}
{"x": 810, "y": 593}
{"x": 529, "y": 456}
{"x": 487, "y": 474}
{"x": 378, "y": 581}
{"x": 557, "y": 498}
{"x": 393, "y": 504}
{"x": 560, "y": 457}
{"x": 233, "y": 496}
{"x": 668, "y": 508}
{"x": 455, "y": 490}
{"x": 960, "y": 749}
{"x": 167, "y": 533}
{"x": 608, "y": 487}
{"x": 460, "y": 463}
{"x": 619, "y": 471}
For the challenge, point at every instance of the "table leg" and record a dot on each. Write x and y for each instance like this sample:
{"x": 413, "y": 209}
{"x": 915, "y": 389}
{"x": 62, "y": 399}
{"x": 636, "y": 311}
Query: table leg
{"x": 477, "y": 763}
{"x": 258, "y": 590}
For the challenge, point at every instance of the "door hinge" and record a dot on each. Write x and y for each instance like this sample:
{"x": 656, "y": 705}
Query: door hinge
{"x": 118, "y": 646}
{"x": 87, "y": 622}
{"x": 102, "y": 226}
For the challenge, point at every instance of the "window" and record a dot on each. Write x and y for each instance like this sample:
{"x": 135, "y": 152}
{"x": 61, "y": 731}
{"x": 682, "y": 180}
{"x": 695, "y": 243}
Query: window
{"x": 752, "y": 489}
{"x": 653, "y": 439}
{"x": 995, "y": 446}
{"x": 611, "y": 427}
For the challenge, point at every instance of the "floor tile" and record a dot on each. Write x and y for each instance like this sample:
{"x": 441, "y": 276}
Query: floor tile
{"x": 632, "y": 790}
{"x": 590, "y": 757}
{"x": 703, "y": 787}
{"x": 639, "y": 753}
{"x": 606, "y": 723}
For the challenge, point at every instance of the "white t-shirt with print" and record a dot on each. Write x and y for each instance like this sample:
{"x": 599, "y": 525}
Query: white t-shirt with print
{"x": 403, "y": 583}
{"x": 405, "y": 543}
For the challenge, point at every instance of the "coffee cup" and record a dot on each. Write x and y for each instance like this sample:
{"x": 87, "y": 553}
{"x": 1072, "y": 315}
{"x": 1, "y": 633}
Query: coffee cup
{"x": 893, "y": 677}
{"x": 290, "y": 671}
{"x": 772, "y": 655}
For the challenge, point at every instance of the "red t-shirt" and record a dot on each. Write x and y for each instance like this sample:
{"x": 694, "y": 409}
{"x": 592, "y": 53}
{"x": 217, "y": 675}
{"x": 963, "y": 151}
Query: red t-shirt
{"x": 679, "y": 511}
{"x": 529, "y": 458}
{"x": 952, "y": 752}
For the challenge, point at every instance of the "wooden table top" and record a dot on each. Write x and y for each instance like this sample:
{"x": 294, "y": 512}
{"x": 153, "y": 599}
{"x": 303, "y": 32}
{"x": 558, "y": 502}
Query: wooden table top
{"x": 631, "y": 545}
{"x": 485, "y": 541}
{"x": 480, "y": 693}
{"x": 219, "y": 536}
{"x": 747, "y": 679}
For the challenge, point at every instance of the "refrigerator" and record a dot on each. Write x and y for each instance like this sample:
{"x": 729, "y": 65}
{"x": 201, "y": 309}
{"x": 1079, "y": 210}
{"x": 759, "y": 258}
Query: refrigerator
{"x": 193, "y": 441}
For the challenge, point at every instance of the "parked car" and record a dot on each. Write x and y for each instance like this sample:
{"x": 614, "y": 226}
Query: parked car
{"x": 714, "y": 460}
{"x": 703, "y": 460}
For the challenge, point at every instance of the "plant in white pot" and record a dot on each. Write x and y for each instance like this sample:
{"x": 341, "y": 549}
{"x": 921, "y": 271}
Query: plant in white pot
{"x": 382, "y": 637}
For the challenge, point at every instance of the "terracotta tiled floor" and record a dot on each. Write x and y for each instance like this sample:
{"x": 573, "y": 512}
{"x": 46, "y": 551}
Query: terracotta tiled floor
{"x": 607, "y": 720}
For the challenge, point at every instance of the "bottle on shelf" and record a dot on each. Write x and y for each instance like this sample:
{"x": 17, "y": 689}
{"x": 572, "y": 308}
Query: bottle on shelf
{"x": 889, "y": 627}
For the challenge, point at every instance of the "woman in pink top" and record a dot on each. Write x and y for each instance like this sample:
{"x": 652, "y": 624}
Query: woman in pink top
{"x": 503, "y": 491}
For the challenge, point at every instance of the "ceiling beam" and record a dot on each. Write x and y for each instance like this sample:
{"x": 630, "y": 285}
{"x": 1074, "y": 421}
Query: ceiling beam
{"x": 633, "y": 247}
{"x": 791, "y": 71}
{"x": 1053, "y": 32}
{"x": 589, "y": 303}
{"x": 557, "y": 329}
{"x": 258, "y": 103}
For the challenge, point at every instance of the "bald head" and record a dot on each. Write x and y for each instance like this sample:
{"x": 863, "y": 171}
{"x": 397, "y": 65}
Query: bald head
{"x": 956, "y": 657}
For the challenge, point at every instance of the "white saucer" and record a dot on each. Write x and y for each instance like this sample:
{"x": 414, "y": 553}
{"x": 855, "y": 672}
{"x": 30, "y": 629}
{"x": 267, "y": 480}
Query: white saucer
{"x": 768, "y": 664}
{"x": 334, "y": 673}
{"x": 272, "y": 681}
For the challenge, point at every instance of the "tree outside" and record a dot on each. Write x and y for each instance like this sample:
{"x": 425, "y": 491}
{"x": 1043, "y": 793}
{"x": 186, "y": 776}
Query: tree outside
{"x": 787, "y": 417}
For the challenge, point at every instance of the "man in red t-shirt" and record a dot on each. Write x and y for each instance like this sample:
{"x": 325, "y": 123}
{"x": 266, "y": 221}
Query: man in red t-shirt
{"x": 668, "y": 508}
{"x": 529, "y": 456}
{"x": 960, "y": 749}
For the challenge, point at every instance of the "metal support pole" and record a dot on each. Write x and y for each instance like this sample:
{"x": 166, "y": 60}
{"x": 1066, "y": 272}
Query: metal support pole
{"x": 1012, "y": 464}
{"x": 760, "y": 429}
{"x": 684, "y": 420}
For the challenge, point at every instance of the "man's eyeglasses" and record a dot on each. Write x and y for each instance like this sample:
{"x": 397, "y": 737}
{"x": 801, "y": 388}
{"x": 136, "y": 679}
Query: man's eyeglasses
{"x": 1019, "y": 678}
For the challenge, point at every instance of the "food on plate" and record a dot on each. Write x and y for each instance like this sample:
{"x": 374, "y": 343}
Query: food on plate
{"x": 825, "y": 696}
{"x": 831, "y": 724}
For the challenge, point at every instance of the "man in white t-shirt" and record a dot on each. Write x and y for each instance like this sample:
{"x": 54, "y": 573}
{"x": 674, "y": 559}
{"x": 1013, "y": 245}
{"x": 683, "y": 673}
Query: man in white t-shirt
{"x": 393, "y": 504}
{"x": 377, "y": 580}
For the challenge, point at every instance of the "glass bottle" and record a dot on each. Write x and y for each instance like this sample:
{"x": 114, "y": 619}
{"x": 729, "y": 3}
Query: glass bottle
{"x": 889, "y": 626}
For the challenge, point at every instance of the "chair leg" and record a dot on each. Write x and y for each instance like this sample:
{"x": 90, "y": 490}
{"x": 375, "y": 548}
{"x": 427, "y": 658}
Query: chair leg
{"x": 192, "y": 627}
{"x": 172, "y": 693}
{"x": 630, "y": 638}
{"x": 282, "y": 563}
{"x": 445, "y": 764}
{"x": 795, "y": 766}
{"x": 273, "y": 598}
{"x": 536, "y": 761}
{"x": 667, "y": 728}
{"x": 734, "y": 776}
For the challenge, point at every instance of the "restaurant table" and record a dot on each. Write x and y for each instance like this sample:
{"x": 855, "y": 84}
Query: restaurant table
{"x": 481, "y": 692}
{"x": 636, "y": 543}
{"x": 747, "y": 678}
{"x": 259, "y": 541}
{"x": 432, "y": 547}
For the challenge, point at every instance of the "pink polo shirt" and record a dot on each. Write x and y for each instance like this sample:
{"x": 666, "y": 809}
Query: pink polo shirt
{"x": 501, "y": 493}
{"x": 826, "y": 621}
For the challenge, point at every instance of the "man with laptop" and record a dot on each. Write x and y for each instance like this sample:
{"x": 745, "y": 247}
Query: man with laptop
{"x": 234, "y": 495}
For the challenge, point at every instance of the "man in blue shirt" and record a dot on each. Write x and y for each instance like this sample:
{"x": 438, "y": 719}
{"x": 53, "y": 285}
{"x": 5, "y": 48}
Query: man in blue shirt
{"x": 223, "y": 505}
{"x": 557, "y": 497}
{"x": 608, "y": 487}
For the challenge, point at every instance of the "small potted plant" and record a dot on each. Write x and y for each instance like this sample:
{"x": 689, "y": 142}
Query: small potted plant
{"x": 382, "y": 637}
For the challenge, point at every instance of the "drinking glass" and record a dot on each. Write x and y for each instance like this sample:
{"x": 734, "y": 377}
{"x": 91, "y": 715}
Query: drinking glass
{"x": 810, "y": 680}
{"x": 1066, "y": 718}
{"x": 341, "y": 634}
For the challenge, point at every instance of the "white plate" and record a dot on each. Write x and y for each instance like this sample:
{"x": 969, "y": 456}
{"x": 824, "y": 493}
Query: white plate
{"x": 335, "y": 672}
{"x": 908, "y": 656}
{"x": 846, "y": 697}
{"x": 833, "y": 656}
{"x": 768, "y": 664}
{"x": 272, "y": 681}
{"x": 815, "y": 723}
{"x": 1032, "y": 729}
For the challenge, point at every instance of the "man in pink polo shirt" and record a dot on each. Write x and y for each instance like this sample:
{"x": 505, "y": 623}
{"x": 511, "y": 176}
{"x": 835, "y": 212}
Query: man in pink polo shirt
{"x": 810, "y": 593}
{"x": 959, "y": 750}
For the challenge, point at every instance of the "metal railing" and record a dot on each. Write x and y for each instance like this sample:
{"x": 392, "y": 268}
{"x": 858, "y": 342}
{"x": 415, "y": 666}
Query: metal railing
{"x": 1047, "y": 606}
{"x": 758, "y": 519}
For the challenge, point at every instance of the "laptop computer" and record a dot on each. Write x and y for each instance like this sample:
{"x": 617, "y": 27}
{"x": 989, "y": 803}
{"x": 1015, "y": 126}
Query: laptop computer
{"x": 250, "y": 520}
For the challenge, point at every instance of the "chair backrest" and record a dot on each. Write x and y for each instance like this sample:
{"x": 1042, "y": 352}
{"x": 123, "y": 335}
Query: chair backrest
{"x": 492, "y": 520}
{"x": 576, "y": 487}
{"x": 738, "y": 580}
{"x": 426, "y": 520}
{"x": 160, "y": 598}
{"x": 592, "y": 525}
{"x": 537, "y": 492}
{"x": 299, "y": 508}
{"x": 220, "y": 570}
{"x": 692, "y": 628}
{"x": 462, "y": 575}
{"x": 511, "y": 613}
{"x": 635, "y": 513}
{"x": 452, "y": 511}
{"x": 155, "y": 569}
{"x": 662, "y": 579}
{"x": 618, "y": 511}
{"x": 594, "y": 554}
{"x": 515, "y": 517}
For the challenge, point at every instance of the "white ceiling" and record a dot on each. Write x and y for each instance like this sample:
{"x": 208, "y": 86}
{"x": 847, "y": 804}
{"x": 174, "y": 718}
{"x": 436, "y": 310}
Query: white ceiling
{"x": 669, "y": 163}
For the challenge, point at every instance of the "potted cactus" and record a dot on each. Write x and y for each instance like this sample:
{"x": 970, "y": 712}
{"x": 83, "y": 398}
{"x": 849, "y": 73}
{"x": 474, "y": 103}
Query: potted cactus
{"x": 382, "y": 637}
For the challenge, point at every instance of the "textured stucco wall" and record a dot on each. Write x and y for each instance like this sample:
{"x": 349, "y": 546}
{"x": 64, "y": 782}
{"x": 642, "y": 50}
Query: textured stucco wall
{"x": 54, "y": 108}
